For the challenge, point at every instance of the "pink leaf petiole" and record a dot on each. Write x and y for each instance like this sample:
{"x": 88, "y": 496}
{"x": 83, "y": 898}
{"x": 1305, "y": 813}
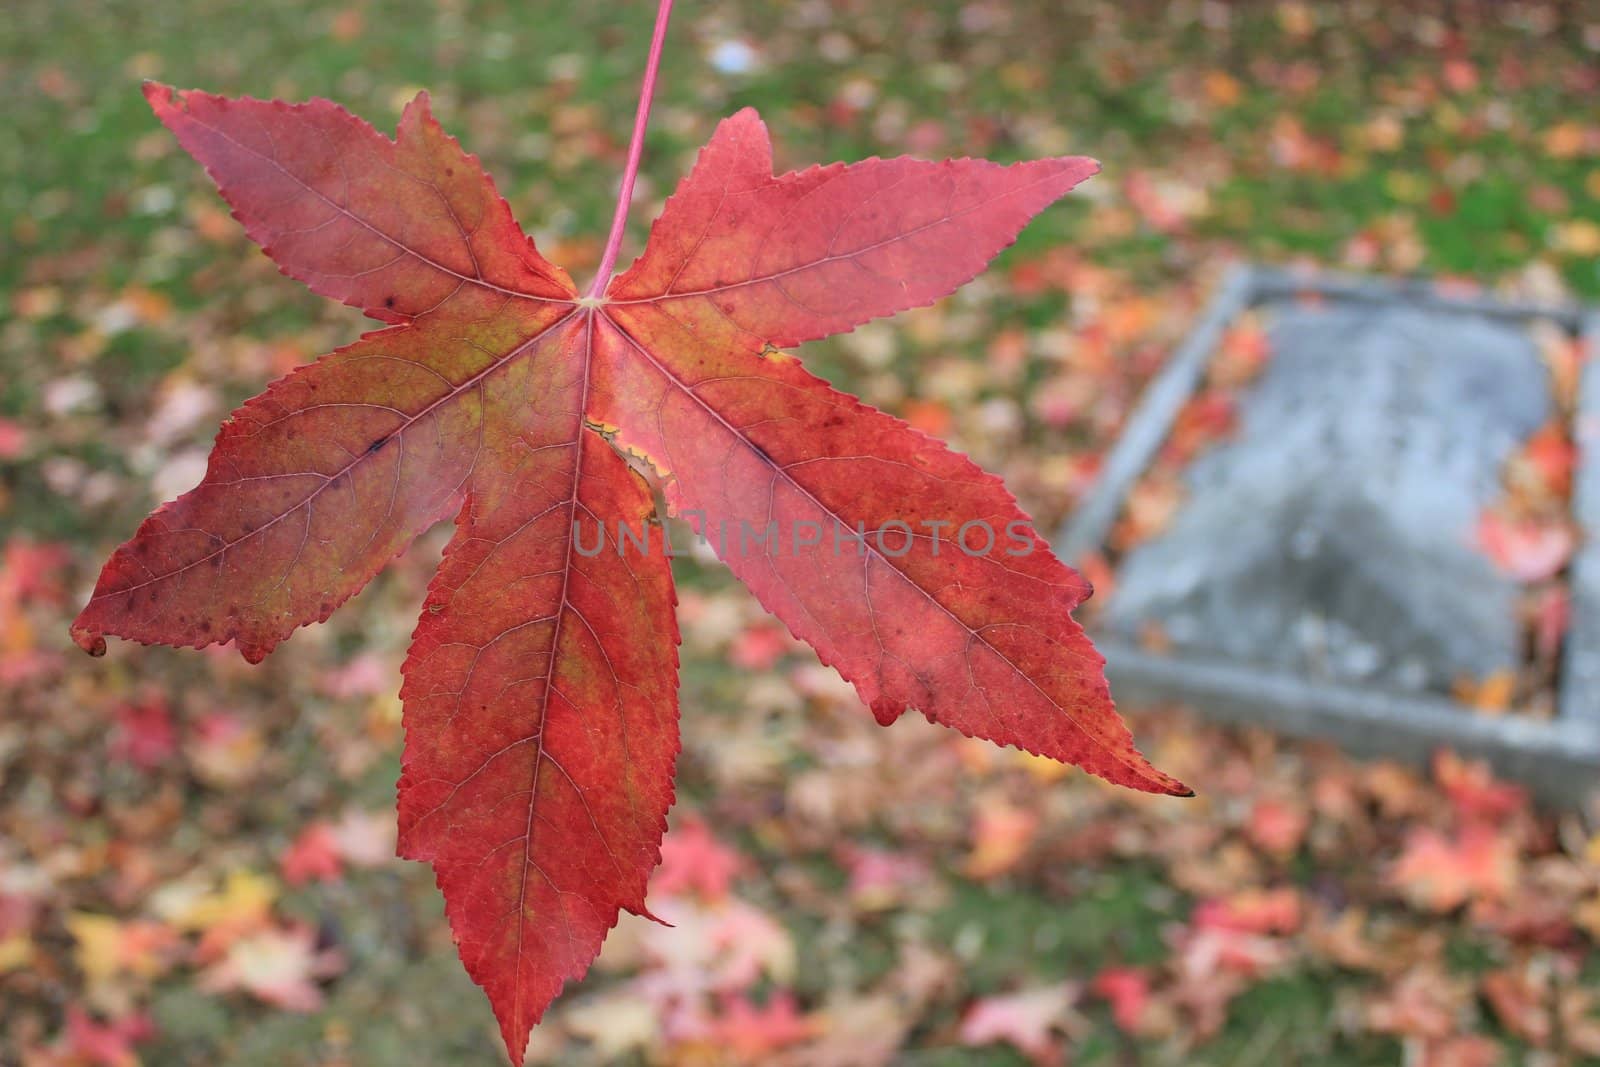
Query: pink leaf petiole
{"x": 641, "y": 119}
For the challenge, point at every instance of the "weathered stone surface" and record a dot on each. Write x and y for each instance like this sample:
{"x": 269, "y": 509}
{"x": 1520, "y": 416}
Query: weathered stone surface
{"x": 1335, "y": 534}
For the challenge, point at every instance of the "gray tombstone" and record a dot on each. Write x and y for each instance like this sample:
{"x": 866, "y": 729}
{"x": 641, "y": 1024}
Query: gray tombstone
{"x": 1323, "y": 574}
{"x": 1333, "y": 534}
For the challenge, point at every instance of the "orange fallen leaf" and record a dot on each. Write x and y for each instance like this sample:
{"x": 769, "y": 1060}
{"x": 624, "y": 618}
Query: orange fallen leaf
{"x": 1491, "y": 693}
{"x": 1001, "y": 834}
{"x": 1439, "y": 874}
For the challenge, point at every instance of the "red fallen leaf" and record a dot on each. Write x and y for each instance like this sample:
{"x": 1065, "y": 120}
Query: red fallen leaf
{"x": 1204, "y": 420}
{"x": 108, "y": 1044}
{"x": 17, "y": 912}
{"x": 539, "y": 693}
{"x": 144, "y": 735}
{"x": 1460, "y": 76}
{"x": 1277, "y": 825}
{"x": 1550, "y": 456}
{"x": 365, "y": 675}
{"x": 752, "y": 1033}
{"x": 13, "y": 439}
{"x": 1362, "y": 251}
{"x": 758, "y": 647}
{"x": 1128, "y": 991}
{"x": 32, "y": 572}
{"x": 1529, "y": 551}
{"x": 880, "y": 878}
{"x": 1473, "y": 789}
{"x": 1226, "y": 946}
{"x": 1252, "y": 911}
{"x": 315, "y": 854}
{"x": 693, "y": 860}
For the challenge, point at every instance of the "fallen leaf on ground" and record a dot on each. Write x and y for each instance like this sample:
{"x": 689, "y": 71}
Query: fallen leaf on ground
{"x": 1030, "y": 1020}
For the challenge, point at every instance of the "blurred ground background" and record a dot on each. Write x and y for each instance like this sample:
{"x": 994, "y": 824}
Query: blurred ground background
{"x": 195, "y": 854}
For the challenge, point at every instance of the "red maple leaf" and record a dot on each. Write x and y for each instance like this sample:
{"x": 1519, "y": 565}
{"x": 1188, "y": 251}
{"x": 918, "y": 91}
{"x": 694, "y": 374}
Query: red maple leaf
{"x": 540, "y": 688}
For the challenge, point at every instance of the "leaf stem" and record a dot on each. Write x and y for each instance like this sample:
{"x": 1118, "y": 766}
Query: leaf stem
{"x": 641, "y": 119}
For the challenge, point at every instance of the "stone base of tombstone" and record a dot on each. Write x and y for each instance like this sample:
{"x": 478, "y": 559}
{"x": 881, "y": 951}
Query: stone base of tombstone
{"x": 1323, "y": 577}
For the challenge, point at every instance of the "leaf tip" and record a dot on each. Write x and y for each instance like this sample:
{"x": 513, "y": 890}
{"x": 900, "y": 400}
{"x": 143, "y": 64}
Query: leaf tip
{"x": 89, "y": 640}
{"x": 420, "y": 106}
{"x": 1172, "y": 787}
{"x": 516, "y": 1051}
{"x": 1160, "y": 782}
{"x": 887, "y": 712}
{"x": 1137, "y": 772}
{"x": 1078, "y": 169}
{"x": 746, "y": 133}
{"x": 645, "y": 913}
{"x": 254, "y": 654}
{"x": 160, "y": 95}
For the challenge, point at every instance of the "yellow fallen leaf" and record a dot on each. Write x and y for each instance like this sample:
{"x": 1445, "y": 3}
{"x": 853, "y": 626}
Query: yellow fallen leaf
{"x": 244, "y": 897}
{"x": 97, "y": 951}
{"x": 107, "y": 947}
{"x": 1580, "y": 237}
{"x": 16, "y": 952}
